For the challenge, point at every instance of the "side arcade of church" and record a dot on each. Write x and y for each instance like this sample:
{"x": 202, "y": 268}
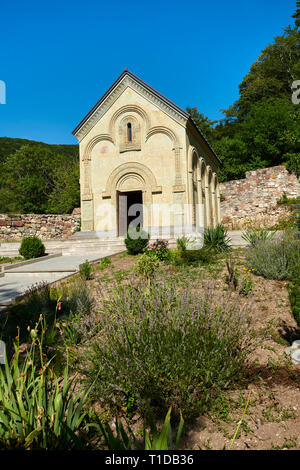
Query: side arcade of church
{"x": 140, "y": 150}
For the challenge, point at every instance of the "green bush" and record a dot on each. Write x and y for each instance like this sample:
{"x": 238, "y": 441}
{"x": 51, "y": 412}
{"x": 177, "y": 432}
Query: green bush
{"x": 275, "y": 259}
{"x": 159, "y": 347}
{"x": 196, "y": 257}
{"x": 217, "y": 239}
{"x": 146, "y": 266}
{"x": 50, "y": 303}
{"x": 85, "y": 270}
{"x": 294, "y": 298}
{"x": 136, "y": 241}
{"x": 159, "y": 249}
{"x": 32, "y": 247}
{"x": 182, "y": 243}
{"x": 297, "y": 219}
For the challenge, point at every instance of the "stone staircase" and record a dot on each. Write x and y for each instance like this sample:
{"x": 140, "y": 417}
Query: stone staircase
{"x": 87, "y": 243}
{"x": 67, "y": 247}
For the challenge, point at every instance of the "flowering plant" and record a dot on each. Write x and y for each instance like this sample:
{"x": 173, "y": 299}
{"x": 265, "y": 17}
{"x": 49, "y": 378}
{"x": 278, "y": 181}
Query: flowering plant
{"x": 159, "y": 249}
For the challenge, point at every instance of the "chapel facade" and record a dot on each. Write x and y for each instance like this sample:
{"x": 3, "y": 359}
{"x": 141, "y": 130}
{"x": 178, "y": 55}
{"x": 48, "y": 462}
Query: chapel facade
{"x": 142, "y": 156}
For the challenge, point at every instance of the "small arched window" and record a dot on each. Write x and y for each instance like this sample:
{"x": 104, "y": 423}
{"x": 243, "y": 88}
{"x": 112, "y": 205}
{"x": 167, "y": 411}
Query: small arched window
{"x": 129, "y": 132}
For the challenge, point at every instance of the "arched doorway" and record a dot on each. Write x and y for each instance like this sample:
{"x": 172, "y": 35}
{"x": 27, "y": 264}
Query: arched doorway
{"x": 130, "y": 204}
{"x": 137, "y": 182}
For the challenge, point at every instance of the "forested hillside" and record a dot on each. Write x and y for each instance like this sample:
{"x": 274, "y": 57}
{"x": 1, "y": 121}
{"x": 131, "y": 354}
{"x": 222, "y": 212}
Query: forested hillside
{"x": 38, "y": 178}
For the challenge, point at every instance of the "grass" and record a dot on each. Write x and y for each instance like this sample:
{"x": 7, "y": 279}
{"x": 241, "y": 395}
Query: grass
{"x": 10, "y": 260}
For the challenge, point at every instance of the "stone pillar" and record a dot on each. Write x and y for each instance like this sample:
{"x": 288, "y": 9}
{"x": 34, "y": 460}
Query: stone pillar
{"x": 178, "y": 177}
{"x": 87, "y": 215}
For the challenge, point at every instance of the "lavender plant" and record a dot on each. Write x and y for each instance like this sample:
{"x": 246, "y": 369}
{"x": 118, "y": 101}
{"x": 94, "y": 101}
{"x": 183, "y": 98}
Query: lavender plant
{"x": 160, "y": 347}
{"x": 275, "y": 259}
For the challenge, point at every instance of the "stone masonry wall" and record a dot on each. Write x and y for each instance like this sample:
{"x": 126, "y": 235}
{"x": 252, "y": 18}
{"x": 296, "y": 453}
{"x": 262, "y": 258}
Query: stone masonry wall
{"x": 46, "y": 227}
{"x": 252, "y": 202}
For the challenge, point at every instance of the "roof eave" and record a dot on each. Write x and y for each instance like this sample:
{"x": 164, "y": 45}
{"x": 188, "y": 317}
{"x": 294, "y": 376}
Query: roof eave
{"x": 141, "y": 82}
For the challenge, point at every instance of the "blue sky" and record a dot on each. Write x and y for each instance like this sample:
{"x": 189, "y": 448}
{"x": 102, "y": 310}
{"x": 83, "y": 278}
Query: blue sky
{"x": 57, "y": 58}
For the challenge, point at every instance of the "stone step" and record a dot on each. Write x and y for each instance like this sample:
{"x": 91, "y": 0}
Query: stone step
{"x": 5, "y": 303}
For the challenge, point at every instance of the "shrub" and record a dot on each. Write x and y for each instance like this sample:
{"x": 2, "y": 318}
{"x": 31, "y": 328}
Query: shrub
{"x": 48, "y": 302}
{"x": 196, "y": 257}
{"x": 136, "y": 241}
{"x": 124, "y": 439}
{"x": 286, "y": 201}
{"x": 217, "y": 238}
{"x": 255, "y": 236}
{"x": 246, "y": 287}
{"x": 32, "y": 247}
{"x": 275, "y": 259}
{"x": 294, "y": 298}
{"x": 297, "y": 219}
{"x": 77, "y": 300}
{"x": 159, "y": 347}
{"x": 103, "y": 264}
{"x": 146, "y": 266}
{"x": 38, "y": 413}
{"x": 85, "y": 270}
{"x": 182, "y": 243}
{"x": 159, "y": 249}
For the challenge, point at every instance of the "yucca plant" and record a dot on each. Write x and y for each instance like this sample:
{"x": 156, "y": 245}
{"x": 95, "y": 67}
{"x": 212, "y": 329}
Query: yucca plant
{"x": 124, "y": 439}
{"x": 182, "y": 243}
{"x": 252, "y": 237}
{"x": 37, "y": 411}
{"x": 217, "y": 238}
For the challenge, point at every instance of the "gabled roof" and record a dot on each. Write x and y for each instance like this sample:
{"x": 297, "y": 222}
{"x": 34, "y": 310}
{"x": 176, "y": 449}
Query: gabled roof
{"x": 168, "y": 102}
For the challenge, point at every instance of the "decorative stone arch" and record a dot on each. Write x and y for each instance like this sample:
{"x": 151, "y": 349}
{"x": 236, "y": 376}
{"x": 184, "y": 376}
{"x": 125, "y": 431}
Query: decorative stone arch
{"x": 128, "y": 109}
{"x": 94, "y": 141}
{"x": 191, "y": 152}
{"x": 163, "y": 130}
{"x": 135, "y": 142}
{"x": 132, "y": 170}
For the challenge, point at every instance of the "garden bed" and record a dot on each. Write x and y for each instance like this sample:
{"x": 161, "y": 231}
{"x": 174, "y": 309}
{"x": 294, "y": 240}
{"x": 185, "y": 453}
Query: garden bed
{"x": 272, "y": 419}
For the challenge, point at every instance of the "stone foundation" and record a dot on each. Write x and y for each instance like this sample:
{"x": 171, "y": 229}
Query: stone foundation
{"x": 44, "y": 226}
{"x": 252, "y": 202}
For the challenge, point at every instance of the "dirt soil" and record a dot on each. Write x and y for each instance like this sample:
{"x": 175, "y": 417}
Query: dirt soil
{"x": 272, "y": 381}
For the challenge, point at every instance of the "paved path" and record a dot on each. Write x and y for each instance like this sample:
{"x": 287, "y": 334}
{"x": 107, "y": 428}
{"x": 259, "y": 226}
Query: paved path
{"x": 236, "y": 238}
{"x": 20, "y": 277}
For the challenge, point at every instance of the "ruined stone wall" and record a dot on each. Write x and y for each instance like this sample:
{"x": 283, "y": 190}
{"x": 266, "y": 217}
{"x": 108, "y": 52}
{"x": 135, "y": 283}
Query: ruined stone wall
{"x": 252, "y": 202}
{"x": 44, "y": 226}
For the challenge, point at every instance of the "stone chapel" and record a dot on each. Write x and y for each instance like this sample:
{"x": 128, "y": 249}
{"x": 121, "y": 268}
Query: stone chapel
{"x": 140, "y": 150}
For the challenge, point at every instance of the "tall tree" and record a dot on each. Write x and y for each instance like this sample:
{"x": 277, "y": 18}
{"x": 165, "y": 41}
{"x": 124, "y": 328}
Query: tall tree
{"x": 296, "y": 15}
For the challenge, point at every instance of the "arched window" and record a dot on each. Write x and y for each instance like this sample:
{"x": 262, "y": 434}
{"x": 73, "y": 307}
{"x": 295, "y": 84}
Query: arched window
{"x": 129, "y": 132}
